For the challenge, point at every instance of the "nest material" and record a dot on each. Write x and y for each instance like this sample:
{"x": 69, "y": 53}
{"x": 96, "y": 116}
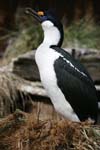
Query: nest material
{"x": 22, "y": 131}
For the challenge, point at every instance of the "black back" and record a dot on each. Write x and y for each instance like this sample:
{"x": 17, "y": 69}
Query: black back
{"x": 77, "y": 85}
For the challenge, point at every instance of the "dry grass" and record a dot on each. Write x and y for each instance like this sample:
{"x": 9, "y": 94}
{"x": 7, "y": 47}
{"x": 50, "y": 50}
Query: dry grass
{"x": 22, "y": 131}
{"x": 10, "y": 95}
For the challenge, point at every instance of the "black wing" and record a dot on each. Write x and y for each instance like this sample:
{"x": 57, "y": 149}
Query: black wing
{"x": 77, "y": 86}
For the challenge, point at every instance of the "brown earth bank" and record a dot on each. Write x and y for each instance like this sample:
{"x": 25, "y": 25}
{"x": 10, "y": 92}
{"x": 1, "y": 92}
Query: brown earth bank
{"x": 23, "y": 131}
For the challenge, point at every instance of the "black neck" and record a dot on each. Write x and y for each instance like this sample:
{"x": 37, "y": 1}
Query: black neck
{"x": 61, "y": 37}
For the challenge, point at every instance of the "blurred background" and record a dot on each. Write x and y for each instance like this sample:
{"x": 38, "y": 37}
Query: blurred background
{"x": 20, "y": 85}
{"x": 20, "y": 33}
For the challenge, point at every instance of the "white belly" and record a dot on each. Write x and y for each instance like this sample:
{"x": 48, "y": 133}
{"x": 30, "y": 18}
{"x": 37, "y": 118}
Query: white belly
{"x": 45, "y": 61}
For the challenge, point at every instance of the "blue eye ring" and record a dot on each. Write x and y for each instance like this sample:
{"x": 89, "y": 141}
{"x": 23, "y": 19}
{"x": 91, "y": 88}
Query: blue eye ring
{"x": 44, "y": 18}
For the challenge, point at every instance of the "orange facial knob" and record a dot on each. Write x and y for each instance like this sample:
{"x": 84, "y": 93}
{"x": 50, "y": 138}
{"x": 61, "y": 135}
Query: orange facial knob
{"x": 40, "y": 13}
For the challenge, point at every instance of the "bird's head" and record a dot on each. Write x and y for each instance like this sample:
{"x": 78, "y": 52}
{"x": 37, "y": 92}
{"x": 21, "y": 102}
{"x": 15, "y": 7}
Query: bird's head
{"x": 50, "y": 23}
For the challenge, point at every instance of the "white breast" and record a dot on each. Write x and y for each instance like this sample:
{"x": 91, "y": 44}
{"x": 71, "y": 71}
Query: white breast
{"x": 45, "y": 58}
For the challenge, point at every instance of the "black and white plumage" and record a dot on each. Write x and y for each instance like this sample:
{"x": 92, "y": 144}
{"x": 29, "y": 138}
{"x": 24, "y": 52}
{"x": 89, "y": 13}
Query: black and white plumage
{"x": 66, "y": 81}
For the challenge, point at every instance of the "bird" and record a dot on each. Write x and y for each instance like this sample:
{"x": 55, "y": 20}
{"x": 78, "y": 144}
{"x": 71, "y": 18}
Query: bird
{"x": 65, "y": 79}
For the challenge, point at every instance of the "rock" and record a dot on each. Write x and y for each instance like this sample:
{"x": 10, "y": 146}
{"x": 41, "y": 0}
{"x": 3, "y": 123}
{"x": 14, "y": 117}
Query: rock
{"x": 25, "y": 66}
{"x": 90, "y": 58}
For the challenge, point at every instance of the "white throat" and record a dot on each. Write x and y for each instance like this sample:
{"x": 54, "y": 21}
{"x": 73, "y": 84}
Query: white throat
{"x": 45, "y": 58}
{"x": 51, "y": 33}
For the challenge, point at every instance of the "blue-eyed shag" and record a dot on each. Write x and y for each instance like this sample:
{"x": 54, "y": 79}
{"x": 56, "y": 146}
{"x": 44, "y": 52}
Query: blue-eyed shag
{"x": 67, "y": 82}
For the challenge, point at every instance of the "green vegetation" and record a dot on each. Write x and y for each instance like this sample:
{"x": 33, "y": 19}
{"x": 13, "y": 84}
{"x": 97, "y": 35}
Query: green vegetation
{"x": 83, "y": 34}
{"x": 28, "y": 35}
